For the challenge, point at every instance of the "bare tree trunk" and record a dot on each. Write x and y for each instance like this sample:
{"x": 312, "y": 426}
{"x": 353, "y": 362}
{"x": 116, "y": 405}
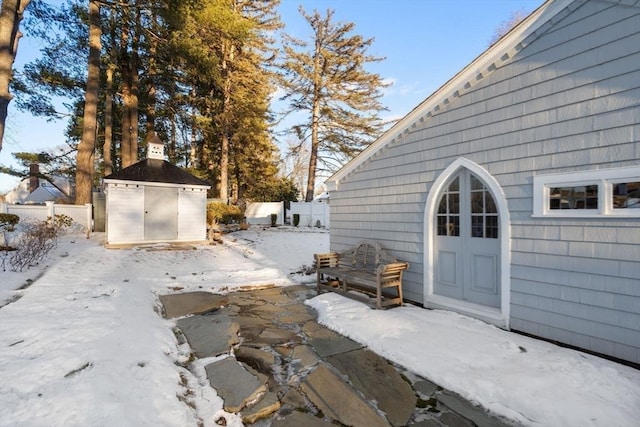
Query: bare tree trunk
{"x": 86, "y": 148}
{"x": 315, "y": 116}
{"x": 129, "y": 112}
{"x": 227, "y": 59}
{"x": 133, "y": 110}
{"x": 193, "y": 152}
{"x": 172, "y": 141}
{"x": 108, "y": 123}
{"x": 10, "y": 16}
{"x": 152, "y": 71}
{"x": 224, "y": 168}
{"x": 125, "y": 71}
{"x": 313, "y": 155}
{"x": 135, "y": 87}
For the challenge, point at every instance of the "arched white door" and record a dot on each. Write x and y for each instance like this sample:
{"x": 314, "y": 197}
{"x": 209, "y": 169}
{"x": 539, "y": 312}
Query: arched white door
{"x": 466, "y": 242}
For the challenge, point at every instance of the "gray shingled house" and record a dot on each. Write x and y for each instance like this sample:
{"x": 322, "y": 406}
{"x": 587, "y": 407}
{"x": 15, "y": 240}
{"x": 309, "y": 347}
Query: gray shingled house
{"x": 514, "y": 190}
{"x": 154, "y": 201}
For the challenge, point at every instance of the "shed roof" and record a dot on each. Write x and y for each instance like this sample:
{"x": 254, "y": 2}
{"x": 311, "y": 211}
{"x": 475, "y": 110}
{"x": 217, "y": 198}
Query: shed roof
{"x": 155, "y": 170}
{"x": 501, "y": 52}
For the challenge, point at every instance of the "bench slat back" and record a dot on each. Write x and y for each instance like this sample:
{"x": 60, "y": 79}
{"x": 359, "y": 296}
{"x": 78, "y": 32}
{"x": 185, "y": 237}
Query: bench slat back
{"x": 365, "y": 256}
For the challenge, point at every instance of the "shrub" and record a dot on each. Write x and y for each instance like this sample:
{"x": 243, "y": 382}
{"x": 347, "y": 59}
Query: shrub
{"x": 8, "y": 224}
{"x": 221, "y": 213}
{"x": 36, "y": 240}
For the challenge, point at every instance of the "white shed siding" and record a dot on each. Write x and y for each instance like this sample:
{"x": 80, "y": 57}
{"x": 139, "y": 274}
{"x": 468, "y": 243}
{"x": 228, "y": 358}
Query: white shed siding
{"x": 125, "y": 220}
{"x": 125, "y": 213}
{"x": 568, "y": 101}
{"x": 192, "y": 214}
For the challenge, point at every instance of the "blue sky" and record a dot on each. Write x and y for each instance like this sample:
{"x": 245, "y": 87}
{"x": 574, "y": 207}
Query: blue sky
{"x": 425, "y": 42}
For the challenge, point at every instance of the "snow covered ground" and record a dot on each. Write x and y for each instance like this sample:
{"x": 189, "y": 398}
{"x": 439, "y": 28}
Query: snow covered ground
{"x": 85, "y": 345}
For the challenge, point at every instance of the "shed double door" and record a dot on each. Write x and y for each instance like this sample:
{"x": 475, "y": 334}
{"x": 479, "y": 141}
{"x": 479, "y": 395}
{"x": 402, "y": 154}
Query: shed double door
{"x": 466, "y": 243}
{"x": 160, "y": 213}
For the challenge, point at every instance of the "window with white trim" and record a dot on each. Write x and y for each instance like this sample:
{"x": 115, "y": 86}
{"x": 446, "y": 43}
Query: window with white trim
{"x": 595, "y": 193}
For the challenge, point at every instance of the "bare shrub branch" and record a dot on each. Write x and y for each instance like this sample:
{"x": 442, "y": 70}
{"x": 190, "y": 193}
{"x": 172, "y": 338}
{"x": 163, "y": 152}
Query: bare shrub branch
{"x": 36, "y": 240}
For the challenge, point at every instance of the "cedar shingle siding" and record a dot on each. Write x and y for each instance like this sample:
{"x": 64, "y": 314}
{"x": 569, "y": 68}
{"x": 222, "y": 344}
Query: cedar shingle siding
{"x": 569, "y": 100}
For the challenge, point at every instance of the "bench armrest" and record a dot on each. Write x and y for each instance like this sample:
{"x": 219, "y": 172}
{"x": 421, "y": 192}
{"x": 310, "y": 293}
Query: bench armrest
{"x": 329, "y": 259}
{"x": 391, "y": 272}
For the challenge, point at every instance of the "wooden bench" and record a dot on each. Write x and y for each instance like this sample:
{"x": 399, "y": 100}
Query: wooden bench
{"x": 364, "y": 268}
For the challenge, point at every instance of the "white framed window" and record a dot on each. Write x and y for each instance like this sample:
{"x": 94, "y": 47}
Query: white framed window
{"x": 590, "y": 194}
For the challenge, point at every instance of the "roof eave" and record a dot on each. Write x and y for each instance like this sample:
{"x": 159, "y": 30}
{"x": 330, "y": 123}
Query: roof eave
{"x": 153, "y": 183}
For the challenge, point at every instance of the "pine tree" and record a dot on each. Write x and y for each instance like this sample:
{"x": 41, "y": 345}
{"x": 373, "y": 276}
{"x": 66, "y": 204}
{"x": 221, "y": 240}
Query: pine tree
{"x": 11, "y": 12}
{"x": 327, "y": 79}
{"x": 194, "y": 71}
{"x": 86, "y": 149}
{"x": 223, "y": 49}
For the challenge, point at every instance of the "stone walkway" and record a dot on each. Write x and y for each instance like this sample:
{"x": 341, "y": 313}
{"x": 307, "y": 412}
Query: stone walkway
{"x": 286, "y": 370}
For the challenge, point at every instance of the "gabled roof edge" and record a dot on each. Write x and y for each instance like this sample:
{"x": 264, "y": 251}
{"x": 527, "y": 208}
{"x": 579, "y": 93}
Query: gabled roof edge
{"x": 479, "y": 68}
{"x": 153, "y": 183}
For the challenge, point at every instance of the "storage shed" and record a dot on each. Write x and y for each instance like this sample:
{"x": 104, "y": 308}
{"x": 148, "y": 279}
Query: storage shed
{"x": 154, "y": 201}
{"x": 513, "y": 190}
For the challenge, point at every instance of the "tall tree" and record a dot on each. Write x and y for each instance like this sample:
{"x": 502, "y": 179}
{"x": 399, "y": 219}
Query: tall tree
{"x": 129, "y": 62}
{"x": 224, "y": 47}
{"x": 327, "y": 79}
{"x": 193, "y": 71}
{"x": 86, "y": 149}
{"x": 246, "y": 86}
{"x": 11, "y": 13}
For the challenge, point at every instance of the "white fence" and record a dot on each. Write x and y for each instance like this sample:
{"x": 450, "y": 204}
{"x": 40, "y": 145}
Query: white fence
{"x": 311, "y": 214}
{"x": 81, "y": 214}
{"x": 260, "y": 213}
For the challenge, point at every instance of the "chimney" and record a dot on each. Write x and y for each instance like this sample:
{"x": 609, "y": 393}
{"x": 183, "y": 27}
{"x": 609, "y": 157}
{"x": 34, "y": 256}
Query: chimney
{"x": 34, "y": 181}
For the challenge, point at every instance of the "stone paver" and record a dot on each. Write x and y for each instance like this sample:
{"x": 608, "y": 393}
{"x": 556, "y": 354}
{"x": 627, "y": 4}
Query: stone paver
{"x": 305, "y": 355}
{"x": 260, "y": 360}
{"x": 178, "y": 305}
{"x": 333, "y": 396}
{"x": 285, "y": 366}
{"x": 300, "y": 419}
{"x": 426, "y": 388}
{"x": 327, "y": 342}
{"x": 297, "y": 314}
{"x": 427, "y": 423}
{"x": 377, "y": 380}
{"x": 262, "y": 409}
{"x": 476, "y": 414}
{"x": 209, "y": 335}
{"x": 234, "y": 383}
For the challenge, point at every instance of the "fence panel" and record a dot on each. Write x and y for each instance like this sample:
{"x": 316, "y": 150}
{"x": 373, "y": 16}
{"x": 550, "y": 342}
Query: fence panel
{"x": 80, "y": 214}
{"x": 311, "y": 213}
{"x": 39, "y": 213}
{"x": 260, "y": 213}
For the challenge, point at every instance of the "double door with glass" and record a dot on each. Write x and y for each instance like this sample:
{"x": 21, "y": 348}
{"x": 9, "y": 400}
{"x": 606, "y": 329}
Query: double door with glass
{"x": 466, "y": 242}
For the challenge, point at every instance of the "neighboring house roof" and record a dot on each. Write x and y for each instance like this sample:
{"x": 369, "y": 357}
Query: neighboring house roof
{"x": 46, "y": 192}
{"x": 538, "y": 22}
{"x": 155, "y": 170}
{"x": 19, "y": 193}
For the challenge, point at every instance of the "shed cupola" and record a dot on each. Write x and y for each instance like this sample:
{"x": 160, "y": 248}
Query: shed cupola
{"x": 155, "y": 148}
